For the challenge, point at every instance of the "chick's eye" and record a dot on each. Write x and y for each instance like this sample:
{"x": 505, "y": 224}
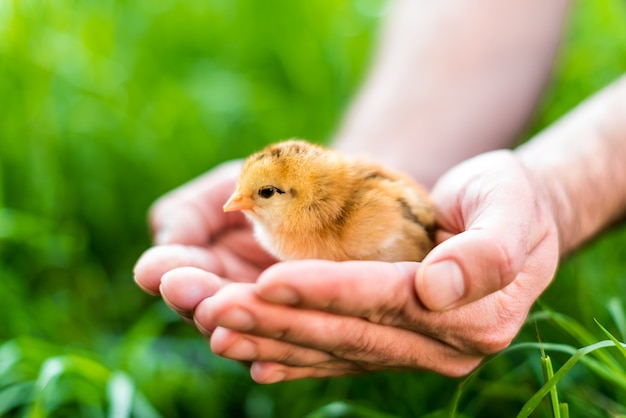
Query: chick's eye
{"x": 266, "y": 192}
{"x": 269, "y": 191}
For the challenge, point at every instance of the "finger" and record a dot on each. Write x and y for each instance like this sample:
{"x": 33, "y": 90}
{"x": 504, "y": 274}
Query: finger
{"x": 245, "y": 347}
{"x": 276, "y": 361}
{"x": 193, "y": 214}
{"x": 223, "y": 261}
{"x": 384, "y": 293}
{"x": 238, "y": 307}
{"x": 374, "y": 290}
{"x": 381, "y": 292}
{"x": 183, "y": 288}
{"x": 157, "y": 261}
{"x": 270, "y": 372}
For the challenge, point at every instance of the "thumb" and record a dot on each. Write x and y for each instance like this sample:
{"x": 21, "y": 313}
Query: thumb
{"x": 467, "y": 267}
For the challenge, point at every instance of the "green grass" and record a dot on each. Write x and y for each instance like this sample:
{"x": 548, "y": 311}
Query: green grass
{"x": 105, "y": 105}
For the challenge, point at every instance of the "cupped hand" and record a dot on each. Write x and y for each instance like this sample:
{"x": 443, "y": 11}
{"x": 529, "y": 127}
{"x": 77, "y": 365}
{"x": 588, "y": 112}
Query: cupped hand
{"x": 497, "y": 251}
{"x": 194, "y": 236}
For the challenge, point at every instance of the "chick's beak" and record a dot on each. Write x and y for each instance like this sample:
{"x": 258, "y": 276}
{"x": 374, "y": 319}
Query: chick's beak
{"x": 238, "y": 202}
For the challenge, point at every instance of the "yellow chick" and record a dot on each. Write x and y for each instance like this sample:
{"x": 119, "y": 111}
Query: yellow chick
{"x": 306, "y": 201}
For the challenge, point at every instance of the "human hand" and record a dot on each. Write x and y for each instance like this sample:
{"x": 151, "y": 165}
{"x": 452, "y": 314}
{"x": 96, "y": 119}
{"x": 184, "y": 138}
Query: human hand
{"x": 316, "y": 318}
{"x": 192, "y": 232}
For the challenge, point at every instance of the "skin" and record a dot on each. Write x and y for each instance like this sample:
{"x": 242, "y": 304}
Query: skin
{"x": 505, "y": 219}
{"x": 451, "y": 80}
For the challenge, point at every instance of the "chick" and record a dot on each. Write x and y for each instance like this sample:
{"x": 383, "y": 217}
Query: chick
{"x": 306, "y": 201}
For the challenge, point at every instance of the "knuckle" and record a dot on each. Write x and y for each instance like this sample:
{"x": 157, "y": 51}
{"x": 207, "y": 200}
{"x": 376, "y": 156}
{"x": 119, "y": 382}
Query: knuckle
{"x": 461, "y": 368}
{"x": 356, "y": 344}
{"x": 388, "y": 315}
{"x": 286, "y": 331}
{"x": 394, "y": 308}
{"x": 491, "y": 337}
{"x": 288, "y": 356}
{"x": 507, "y": 265}
{"x": 365, "y": 349}
{"x": 283, "y": 333}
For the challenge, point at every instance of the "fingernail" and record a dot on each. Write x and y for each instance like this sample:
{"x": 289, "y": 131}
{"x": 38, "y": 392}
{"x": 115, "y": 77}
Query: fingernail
{"x": 264, "y": 372}
{"x": 237, "y": 319}
{"x": 202, "y": 329}
{"x": 280, "y": 294}
{"x": 445, "y": 284}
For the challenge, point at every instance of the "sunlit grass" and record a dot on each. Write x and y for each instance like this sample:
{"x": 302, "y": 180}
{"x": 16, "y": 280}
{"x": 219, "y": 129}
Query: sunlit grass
{"x": 105, "y": 105}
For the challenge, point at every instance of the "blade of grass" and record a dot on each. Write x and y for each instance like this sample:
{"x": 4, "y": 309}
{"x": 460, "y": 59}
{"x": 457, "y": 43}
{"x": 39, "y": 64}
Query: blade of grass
{"x": 580, "y": 333}
{"x": 534, "y": 401}
{"x": 593, "y": 365}
{"x": 120, "y": 393}
{"x": 618, "y": 344}
{"x": 616, "y": 310}
{"x": 9, "y": 357}
{"x": 465, "y": 383}
{"x": 548, "y": 373}
{"x": 9, "y": 354}
{"x": 55, "y": 367}
{"x": 14, "y": 396}
{"x": 142, "y": 408}
{"x": 50, "y": 370}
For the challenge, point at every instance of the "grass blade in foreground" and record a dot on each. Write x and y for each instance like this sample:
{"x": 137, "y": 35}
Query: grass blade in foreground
{"x": 580, "y": 333}
{"x": 548, "y": 373}
{"x": 618, "y": 344}
{"x": 616, "y": 310}
{"x": 534, "y": 401}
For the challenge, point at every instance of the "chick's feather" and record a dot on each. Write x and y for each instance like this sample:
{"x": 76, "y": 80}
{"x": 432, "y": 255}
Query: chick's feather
{"x": 306, "y": 201}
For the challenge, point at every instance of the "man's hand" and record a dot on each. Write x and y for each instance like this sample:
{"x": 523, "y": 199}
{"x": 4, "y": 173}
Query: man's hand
{"x": 191, "y": 230}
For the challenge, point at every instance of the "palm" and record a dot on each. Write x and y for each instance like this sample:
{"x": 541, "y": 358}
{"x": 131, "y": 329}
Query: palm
{"x": 236, "y": 255}
{"x": 192, "y": 230}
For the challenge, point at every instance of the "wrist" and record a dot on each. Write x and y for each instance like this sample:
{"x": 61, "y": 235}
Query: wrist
{"x": 579, "y": 165}
{"x": 551, "y": 196}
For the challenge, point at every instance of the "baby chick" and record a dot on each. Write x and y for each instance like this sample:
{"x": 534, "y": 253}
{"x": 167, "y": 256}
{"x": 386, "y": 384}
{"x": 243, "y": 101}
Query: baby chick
{"x": 306, "y": 201}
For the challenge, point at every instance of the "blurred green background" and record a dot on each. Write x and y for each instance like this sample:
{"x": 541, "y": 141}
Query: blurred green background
{"x": 107, "y": 104}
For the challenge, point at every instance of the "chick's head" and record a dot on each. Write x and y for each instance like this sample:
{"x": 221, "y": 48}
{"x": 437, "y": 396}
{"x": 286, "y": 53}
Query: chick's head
{"x": 285, "y": 183}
